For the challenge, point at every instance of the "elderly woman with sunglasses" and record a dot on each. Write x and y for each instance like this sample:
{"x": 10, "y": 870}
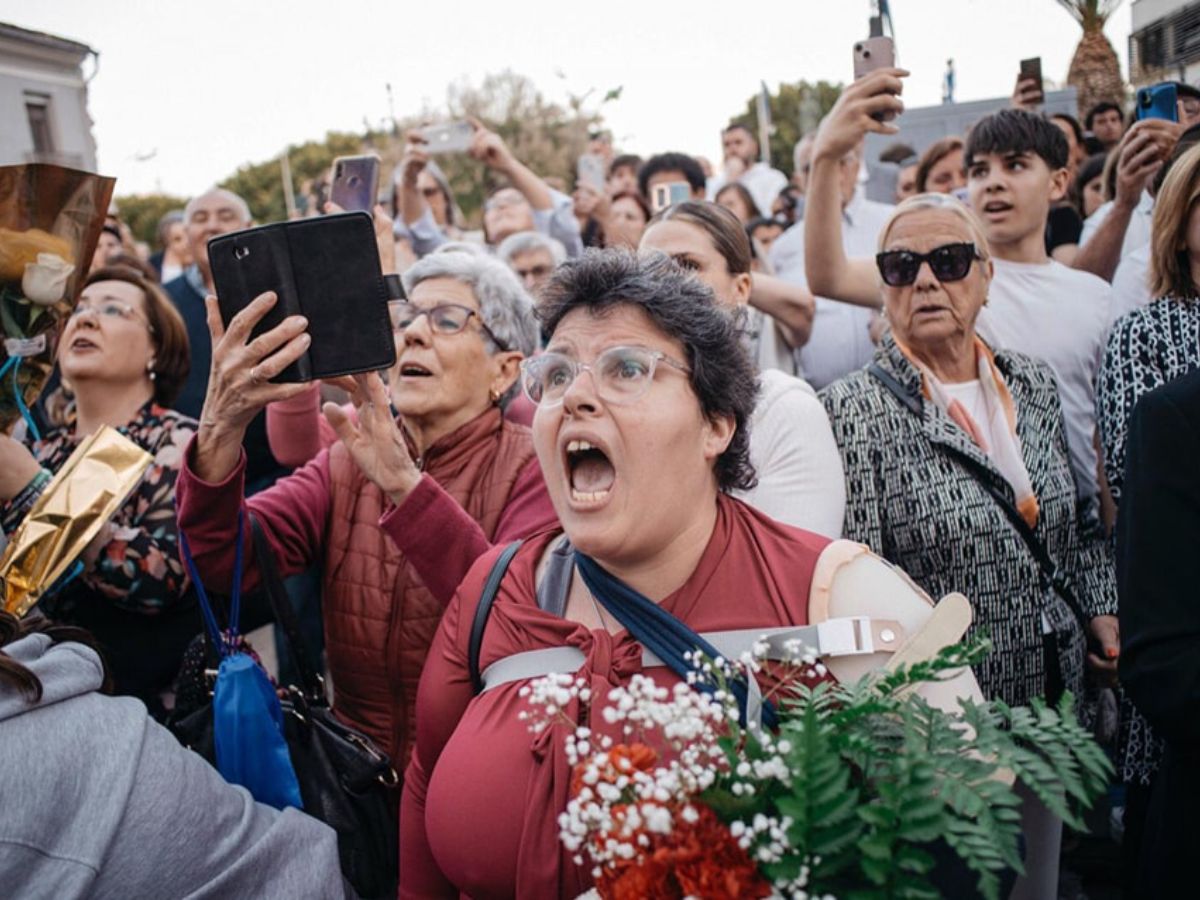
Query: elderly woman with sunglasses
{"x": 958, "y": 471}
{"x": 401, "y": 506}
{"x": 940, "y": 435}
{"x": 124, "y": 352}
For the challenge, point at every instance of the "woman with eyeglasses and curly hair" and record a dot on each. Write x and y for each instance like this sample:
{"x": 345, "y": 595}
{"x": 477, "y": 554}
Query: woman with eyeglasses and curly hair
{"x": 124, "y": 353}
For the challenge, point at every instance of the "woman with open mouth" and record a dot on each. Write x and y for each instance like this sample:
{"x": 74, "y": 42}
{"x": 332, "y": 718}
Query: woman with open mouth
{"x": 643, "y": 397}
{"x": 417, "y": 487}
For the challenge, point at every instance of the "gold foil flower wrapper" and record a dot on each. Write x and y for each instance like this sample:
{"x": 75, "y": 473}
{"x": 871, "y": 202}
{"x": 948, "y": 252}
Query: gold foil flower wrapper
{"x": 50, "y": 220}
{"x": 90, "y": 487}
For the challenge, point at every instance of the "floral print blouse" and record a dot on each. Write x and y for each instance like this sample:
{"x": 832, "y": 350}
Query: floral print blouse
{"x": 139, "y": 569}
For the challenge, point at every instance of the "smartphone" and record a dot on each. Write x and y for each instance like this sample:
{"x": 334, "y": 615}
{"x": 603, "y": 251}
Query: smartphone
{"x": 1031, "y": 70}
{"x": 1159, "y": 101}
{"x": 326, "y": 269}
{"x": 591, "y": 171}
{"x": 872, "y": 54}
{"x": 453, "y": 137}
{"x": 354, "y": 182}
{"x": 669, "y": 194}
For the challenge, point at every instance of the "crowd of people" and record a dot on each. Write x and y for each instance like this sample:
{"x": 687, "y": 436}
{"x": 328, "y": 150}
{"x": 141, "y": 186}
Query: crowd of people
{"x": 989, "y": 381}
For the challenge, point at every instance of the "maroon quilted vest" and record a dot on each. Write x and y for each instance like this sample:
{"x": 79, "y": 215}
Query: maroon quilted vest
{"x": 379, "y": 616}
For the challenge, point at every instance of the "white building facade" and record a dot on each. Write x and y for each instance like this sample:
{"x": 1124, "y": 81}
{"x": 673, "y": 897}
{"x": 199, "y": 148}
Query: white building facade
{"x": 43, "y": 100}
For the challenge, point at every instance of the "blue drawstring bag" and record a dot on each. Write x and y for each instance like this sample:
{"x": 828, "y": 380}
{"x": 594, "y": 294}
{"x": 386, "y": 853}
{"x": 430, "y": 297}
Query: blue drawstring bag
{"x": 247, "y": 718}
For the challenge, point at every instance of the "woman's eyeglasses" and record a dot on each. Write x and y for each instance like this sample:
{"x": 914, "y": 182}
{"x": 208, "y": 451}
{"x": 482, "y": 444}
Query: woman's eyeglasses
{"x": 621, "y": 374}
{"x": 110, "y": 309}
{"x": 445, "y": 318}
{"x": 949, "y": 262}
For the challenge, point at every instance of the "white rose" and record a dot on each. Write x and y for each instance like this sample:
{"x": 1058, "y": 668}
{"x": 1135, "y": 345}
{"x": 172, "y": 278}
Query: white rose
{"x": 45, "y": 281}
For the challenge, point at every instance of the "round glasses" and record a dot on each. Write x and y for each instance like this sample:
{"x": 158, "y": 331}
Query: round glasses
{"x": 445, "y": 318}
{"x": 949, "y": 262}
{"x": 621, "y": 374}
{"x": 110, "y": 309}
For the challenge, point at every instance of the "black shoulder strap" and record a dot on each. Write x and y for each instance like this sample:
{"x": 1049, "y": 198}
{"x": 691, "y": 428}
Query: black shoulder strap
{"x": 910, "y": 400}
{"x": 1035, "y": 546}
{"x": 484, "y": 609}
{"x": 281, "y": 607}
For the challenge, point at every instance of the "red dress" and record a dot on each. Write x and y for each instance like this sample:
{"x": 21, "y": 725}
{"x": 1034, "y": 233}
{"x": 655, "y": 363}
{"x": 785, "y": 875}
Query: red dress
{"x": 482, "y": 794}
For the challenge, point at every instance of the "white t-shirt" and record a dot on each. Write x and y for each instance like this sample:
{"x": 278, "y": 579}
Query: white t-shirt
{"x": 1061, "y": 317}
{"x": 1138, "y": 232}
{"x": 763, "y": 183}
{"x": 1131, "y": 283}
{"x": 800, "y": 476}
{"x": 841, "y": 341}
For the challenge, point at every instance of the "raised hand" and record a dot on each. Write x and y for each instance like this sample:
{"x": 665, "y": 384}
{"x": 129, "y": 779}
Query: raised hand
{"x": 854, "y": 114}
{"x": 239, "y": 380}
{"x": 375, "y": 441}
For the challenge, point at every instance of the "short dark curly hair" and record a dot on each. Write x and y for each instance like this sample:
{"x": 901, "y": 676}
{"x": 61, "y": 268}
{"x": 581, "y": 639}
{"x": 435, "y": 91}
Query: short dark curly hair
{"x": 683, "y": 308}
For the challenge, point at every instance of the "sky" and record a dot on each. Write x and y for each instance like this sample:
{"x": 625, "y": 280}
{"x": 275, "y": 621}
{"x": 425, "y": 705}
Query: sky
{"x": 186, "y": 92}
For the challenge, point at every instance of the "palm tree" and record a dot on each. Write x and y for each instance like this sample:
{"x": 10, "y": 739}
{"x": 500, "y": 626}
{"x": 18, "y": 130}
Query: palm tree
{"x": 1095, "y": 71}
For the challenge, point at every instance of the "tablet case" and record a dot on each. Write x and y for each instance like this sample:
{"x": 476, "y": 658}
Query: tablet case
{"x": 324, "y": 268}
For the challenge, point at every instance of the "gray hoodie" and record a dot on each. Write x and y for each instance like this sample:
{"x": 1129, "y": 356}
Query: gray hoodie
{"x": 98, "y": 800}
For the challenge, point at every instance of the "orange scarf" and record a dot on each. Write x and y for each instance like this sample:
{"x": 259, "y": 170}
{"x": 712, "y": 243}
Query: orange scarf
{"x": 1006, "y": 455}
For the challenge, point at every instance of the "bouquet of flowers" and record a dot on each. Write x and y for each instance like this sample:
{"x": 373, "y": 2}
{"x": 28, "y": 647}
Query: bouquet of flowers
{"x": 861, "y": 791}
{"x": 50, "y": 219}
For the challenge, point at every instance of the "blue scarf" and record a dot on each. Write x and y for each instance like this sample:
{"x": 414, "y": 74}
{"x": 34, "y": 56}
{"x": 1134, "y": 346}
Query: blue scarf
{"x": 658, "y": 631}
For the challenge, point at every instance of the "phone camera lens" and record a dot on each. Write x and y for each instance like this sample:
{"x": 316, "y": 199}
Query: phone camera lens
{"x": 240, "y": 252}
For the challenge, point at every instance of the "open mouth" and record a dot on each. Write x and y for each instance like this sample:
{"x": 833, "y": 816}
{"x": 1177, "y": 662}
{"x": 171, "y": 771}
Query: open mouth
{"x": 996, "y": 206}
{"x": 590, "y": 472}
{"x": 414, "y": 370}
{"x": 82, "y": 343}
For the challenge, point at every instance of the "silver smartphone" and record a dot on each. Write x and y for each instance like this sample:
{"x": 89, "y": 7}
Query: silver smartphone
{"x": 452, "y": 137}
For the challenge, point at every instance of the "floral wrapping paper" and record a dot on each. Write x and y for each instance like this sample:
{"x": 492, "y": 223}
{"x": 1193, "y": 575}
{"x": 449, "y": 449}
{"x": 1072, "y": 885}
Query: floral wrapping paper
{"x": 50, "y": 220}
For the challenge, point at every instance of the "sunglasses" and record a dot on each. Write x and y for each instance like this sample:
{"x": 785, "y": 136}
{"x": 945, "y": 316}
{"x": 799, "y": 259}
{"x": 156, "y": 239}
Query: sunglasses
{"x": 949, "y": 262}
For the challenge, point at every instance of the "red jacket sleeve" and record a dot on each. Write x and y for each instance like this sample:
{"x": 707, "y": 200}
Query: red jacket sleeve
{"x": 441, "y": 540}
{"x": 296, "y": 430}
{"x": 293, "y": 513}
{"x": 442, "y": 697}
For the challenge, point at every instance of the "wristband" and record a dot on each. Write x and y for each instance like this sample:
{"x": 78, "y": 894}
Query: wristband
{"x": 19, "y": 505}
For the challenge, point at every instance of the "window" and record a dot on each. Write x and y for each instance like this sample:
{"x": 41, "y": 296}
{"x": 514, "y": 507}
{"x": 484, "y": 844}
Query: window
{"x": 37, "y": 110}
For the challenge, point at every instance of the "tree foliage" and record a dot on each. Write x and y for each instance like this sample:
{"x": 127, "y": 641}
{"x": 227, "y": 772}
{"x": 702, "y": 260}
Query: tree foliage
{"x": 1095, "y": 71}
{"x": 547, "y": 136}
{"x": 796, "y": 110}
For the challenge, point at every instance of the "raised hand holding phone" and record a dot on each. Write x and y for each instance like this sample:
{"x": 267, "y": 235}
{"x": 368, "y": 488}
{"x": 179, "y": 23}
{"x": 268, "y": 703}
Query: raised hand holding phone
{"x": 857, "y": 111}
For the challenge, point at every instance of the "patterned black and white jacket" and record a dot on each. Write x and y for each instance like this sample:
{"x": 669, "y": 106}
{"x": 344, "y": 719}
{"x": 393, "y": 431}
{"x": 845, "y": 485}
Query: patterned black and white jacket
{"x": 1146, "y": 348}
{"x": 910, "y": 499}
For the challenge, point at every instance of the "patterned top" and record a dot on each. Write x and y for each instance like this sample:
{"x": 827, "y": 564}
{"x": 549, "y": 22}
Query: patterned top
{"x": 139, "y": 568}
{"x": 912, "y": 500}
{"x": 1146, "y": 348}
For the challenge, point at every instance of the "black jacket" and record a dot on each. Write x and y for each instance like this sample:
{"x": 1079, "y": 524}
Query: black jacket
{"x": 1158, "y": 577}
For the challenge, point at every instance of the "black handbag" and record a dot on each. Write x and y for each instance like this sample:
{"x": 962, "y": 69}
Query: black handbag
{"x": 345, "y": 780}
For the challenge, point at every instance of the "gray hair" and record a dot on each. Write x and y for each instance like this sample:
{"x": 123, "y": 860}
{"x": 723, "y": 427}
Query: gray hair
{"x": 946, "y": 202}
{"x": 238, "y": 203}
{"x": 504, "y": 305}
{"x": 528, "y": 241}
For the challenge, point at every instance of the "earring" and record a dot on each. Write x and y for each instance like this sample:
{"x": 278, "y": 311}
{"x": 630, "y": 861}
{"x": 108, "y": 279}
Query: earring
{"x": 494, "y": 396}
{"x": 150, "y": 371}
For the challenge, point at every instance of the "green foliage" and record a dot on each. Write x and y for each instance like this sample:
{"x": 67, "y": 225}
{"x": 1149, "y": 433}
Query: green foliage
{"x": 141, "y": 213}
{"x": 796, "y": 109}
{"x": 261, "y": 184}
{"x": 878, "y": 776}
